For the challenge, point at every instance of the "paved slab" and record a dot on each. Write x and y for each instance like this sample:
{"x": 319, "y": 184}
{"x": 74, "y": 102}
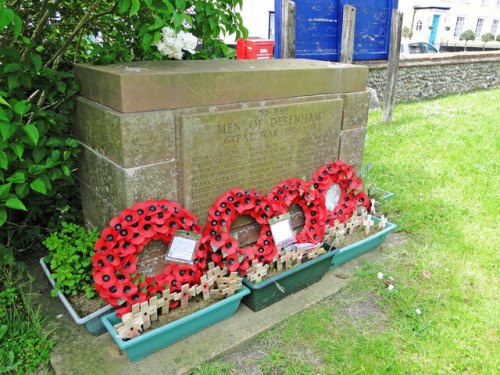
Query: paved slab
{"x": 77, "y": 352}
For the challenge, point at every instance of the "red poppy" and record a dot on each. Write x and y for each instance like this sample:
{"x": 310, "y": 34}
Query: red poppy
{"x": 220, "y": 239}
{"x": 244, "y": 265}
{"x": 248, "y": 252}
{"x": 137, "y": 297}
{"x": 232, "y": 262}
{"x": 160, "y": 228}
{"x": 105, "y": 277}
{"x": 99, "y": 261}
{"x": 363, "y": 200}
{"x": 154, "y": 289}
{"x": 246, "y": 203}
{"x": 216, "y": 257}
{"x": 129, "y": 217}
{"x": 138, "y": 237}
{"x": 230, "y": 246}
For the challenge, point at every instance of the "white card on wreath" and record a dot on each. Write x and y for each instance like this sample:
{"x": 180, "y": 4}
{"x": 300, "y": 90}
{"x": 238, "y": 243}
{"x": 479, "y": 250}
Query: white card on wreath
{"x": 281, "y": 229}
{"x": 183, "y": 247}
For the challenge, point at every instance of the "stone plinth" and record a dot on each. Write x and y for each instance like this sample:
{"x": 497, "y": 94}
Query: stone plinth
{"x": 190, "y": 130}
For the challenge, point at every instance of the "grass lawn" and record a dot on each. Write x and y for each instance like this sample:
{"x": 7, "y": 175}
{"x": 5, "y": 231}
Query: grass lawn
{"x": 441, "y": 159}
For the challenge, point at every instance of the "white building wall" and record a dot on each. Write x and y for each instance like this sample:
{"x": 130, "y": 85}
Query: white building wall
{"x": 255, "y": 14}
{"x": 470, "y": 10}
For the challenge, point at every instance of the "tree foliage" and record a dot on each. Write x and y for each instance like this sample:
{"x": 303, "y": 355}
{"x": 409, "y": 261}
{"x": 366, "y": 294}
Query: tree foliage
{"x": 487, "y": 37}
{"x": 467, "y": 35}
{"x": 407, "y": 32}
{"x": 39, "y": 42}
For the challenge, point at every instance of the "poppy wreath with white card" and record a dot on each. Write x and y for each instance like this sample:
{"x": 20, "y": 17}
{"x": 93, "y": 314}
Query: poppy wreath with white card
{"x": 115, "y": 261}
{"x": 311, "y": 201}
{"x": 224, "y": 248}
{"x": 342, "y": 191}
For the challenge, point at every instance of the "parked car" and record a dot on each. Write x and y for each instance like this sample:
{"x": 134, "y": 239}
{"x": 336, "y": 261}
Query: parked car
{"x": 410, "y": 48}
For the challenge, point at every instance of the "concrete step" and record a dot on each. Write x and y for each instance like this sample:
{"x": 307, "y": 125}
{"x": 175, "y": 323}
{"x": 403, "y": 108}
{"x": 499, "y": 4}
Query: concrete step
{"x": 77, "y": 352}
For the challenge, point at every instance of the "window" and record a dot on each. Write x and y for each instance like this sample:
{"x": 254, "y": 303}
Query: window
{"x": 494, "y": 27}
{"x": 419, "y": 26}
{"x": 479, "y": 26}
{"x": 459, "y": 26}
{"x": 270, "y": 30}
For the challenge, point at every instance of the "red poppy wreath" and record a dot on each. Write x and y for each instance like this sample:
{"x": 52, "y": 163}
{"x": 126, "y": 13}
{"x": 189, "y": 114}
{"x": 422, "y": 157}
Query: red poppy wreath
{"x": 342, "y": 191}
{"x": 115, "y": 261}
{"x": 312, "y": 202}
{"x": 223, "y": 248}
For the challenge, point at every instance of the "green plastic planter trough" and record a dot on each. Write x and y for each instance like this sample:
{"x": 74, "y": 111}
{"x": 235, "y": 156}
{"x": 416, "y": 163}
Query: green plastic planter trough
{"x": 159, "y": 338}
{"x": 288, "y": 282}
{"x": 384, "y": 194}
{"x": 366, "y": 245}
{"x": 92, "y": 322}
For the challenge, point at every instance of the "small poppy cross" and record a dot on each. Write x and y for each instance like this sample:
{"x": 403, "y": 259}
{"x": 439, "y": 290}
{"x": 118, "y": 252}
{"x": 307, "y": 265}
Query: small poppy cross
{"x": 130, "y": 327}
{"x": 233, "y": 287}
{"x": 226, "y": 280}
{"x": 368, "y": 223}
{"x": 204, "y": 287}
{"x": 277, "y": 262}
{"x": 301, "y": 253}
{"x": 259, "y": 273}
{"x": 184, "y": 295}
{"x": 163, "y": 302}
{"x": 287, "y": 258}
{"x": 153, "y": 308}
{"x": 329, "y": 234}
{"x": 337, "y": 226}
{"x": 218, "y": 273}
{"x": 359, "y": 218}
{"x": 144, "y": 315}
{"x": 315, "y": 251}
{"x": 383, "y": 222}
{"x": 351, "y": 225}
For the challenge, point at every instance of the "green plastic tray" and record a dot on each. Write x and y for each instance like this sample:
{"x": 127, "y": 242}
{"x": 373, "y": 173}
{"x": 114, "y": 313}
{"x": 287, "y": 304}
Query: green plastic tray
{"x": 272, "y": 290}
{"x": 366, "y": 245}
{"x": 91, "y": 322}
{"x": 159, "y": 338}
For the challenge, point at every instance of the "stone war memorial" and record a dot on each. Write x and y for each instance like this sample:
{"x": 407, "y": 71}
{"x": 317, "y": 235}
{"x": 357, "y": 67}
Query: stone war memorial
{"x": 188, "y": 131}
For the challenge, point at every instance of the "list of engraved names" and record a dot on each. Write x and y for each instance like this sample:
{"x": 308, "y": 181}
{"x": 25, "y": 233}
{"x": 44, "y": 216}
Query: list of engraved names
{"x": 255, "y": 148}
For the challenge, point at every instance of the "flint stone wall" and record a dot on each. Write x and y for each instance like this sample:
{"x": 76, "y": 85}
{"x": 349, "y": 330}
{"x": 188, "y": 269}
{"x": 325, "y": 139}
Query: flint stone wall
{"x": 189, "y": 130}
{"x": 431, "y": 75}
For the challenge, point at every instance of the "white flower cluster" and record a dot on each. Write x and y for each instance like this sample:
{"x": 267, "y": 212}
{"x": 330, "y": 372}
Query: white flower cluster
{"x": 172, "y": 43}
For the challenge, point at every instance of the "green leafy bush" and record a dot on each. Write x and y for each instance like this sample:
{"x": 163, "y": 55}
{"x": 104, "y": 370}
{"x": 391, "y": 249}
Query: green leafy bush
{"x": 70, "y": 259}
{"x": 39, "y": 42}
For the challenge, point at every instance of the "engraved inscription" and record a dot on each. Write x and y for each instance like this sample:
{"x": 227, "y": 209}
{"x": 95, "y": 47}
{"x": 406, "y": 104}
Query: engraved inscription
{"x": 254, "y": 148}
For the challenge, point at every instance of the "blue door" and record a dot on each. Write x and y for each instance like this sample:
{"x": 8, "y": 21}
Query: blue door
{"x": 435, "y": 23}
{"x": 318, "y": 31}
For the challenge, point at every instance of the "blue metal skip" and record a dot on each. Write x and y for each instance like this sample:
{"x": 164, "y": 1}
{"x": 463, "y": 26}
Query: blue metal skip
{"x": 319, "y": 28}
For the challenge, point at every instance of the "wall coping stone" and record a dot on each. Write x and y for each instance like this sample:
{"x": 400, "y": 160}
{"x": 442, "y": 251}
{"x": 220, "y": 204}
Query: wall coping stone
{"x": 445, "y": 58}
{"x": 159, "y": 85}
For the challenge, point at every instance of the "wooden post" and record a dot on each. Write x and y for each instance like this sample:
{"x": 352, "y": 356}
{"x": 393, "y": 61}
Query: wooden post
{"x": 348, "y": 25}
{"x": 392, "y": 65}
{"x": 288, "y": 29}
